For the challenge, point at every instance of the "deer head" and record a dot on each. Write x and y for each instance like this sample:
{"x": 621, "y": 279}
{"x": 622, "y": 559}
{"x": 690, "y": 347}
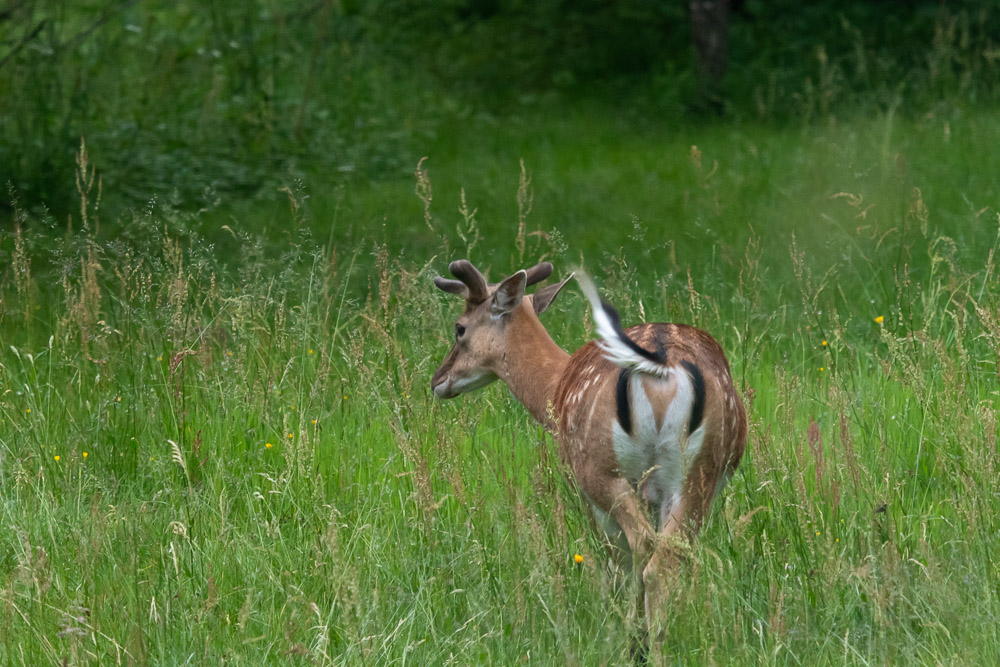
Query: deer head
{"x": 483, "y": 336}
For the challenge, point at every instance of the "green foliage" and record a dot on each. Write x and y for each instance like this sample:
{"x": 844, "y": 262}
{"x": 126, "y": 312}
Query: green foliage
{"x": 192, "y": 99}
{"x": 499, "y": 47}
{"x": 384, "y": 526}
{"x": 787, "y": 59}
{"x": 217, "y": 442}
{"x": 813, "y": 60}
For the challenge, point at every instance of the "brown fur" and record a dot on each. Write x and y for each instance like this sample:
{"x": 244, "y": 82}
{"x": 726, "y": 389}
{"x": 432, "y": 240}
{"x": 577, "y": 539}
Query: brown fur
{"x": 574, "y": 396}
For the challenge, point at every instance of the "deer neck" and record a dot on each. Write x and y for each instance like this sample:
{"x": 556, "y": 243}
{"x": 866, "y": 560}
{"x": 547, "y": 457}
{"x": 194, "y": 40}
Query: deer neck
{"x": 533, "y": 365}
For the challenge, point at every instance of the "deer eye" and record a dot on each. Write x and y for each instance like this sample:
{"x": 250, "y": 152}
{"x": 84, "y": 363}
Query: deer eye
{"x": 459, "y": 331}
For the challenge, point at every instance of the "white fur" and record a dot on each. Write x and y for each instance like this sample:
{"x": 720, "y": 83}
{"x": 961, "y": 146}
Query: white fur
{"x": 462, "y": 385}
{"x": 660, "y": 456}
{"x": 614, "y": 348}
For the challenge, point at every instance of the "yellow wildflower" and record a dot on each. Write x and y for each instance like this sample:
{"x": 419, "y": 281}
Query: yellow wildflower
{"x": 85, "y": 455}
{"x": 268, "y": 445}
{"x": 878, "y": 320}
{"x": 823, "y": 343}
{"x": 577, "y": 558}
{"x": 56, "y": 457}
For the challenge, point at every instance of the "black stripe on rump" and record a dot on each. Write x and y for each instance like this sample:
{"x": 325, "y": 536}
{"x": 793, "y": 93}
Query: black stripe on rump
{"x": 698, "y": 407}
{"x": 659, "y": 356}
{"x": 621, "y": 398}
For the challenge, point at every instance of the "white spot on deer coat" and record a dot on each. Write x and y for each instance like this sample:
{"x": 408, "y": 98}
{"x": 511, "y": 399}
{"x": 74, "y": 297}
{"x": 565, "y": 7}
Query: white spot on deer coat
{"x": 590, "y": 415}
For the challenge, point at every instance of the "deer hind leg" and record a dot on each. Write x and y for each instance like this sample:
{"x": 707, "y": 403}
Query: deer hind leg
{"x": 615, "y": 541}
{"x": 617, "y": 501}
{"x": 627, "y": 511}
{"x": 680, "y": 520}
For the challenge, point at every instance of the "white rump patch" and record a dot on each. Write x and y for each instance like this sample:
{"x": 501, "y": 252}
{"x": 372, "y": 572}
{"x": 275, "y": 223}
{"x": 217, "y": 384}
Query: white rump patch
{"x": 660, "y": 456}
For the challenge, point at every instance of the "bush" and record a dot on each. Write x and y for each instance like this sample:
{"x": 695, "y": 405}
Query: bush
{"x": 188, "y": 98}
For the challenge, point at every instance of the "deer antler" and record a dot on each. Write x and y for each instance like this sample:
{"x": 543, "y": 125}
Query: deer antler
{"x": 538, "y": 273}
{"x": 452, "y": 286}
{"x": 472, "y": 286}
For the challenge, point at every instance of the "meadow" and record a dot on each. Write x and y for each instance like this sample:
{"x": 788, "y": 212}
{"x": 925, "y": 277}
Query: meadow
{"x": 218, "y": 444}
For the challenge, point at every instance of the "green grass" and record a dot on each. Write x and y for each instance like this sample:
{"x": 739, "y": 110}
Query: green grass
{"x": 382, "y": 526}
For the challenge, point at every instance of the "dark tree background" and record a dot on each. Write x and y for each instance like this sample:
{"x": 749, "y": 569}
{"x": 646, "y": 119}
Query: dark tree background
{"x": 188, "y": 98}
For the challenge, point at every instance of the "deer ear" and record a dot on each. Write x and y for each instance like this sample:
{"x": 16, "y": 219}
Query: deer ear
{"x": 543, "y": 298}
{"x": 509, "y": 294}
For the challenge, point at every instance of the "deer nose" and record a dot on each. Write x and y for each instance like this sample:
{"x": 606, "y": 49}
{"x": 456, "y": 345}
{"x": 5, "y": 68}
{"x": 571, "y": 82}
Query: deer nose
{"x": 442, "y": 389}
{"x": 438, "y": 385}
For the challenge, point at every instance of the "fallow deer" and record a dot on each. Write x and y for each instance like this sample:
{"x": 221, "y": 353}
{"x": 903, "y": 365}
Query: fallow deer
{"x": 646, "y": 417}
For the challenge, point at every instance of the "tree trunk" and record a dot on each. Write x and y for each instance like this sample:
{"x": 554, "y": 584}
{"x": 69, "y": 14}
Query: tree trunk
{"x": 710, "y": 35}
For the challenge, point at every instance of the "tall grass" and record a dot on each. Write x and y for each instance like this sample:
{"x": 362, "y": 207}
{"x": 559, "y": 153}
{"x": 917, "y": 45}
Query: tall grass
{"x": 207, "y": 459}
